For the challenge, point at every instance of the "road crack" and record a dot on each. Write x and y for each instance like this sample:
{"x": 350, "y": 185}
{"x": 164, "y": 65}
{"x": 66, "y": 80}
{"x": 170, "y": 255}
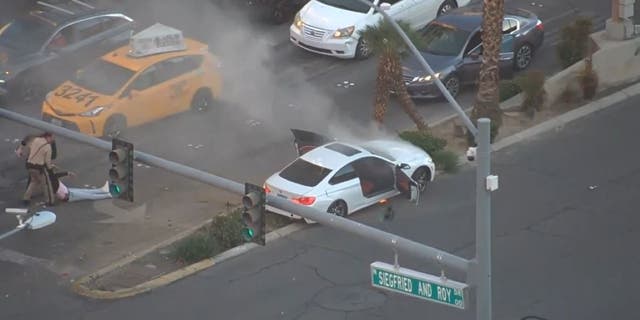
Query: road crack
{"x": 270, "y": 266}
{"x": 319, "y": 275}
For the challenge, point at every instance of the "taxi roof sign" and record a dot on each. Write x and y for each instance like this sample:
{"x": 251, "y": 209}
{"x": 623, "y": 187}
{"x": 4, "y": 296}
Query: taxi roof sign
{"x": 157, "y": 38}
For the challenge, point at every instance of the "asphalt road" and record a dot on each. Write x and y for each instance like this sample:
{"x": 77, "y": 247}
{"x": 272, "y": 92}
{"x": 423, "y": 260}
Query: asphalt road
{"x": 565, "y": 229}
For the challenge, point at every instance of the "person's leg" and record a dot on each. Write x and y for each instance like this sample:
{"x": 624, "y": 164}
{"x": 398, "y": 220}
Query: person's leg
{"x": 79, "y": 194}
{"x": 35, "y": 180}
{"x": 47, "y": 189}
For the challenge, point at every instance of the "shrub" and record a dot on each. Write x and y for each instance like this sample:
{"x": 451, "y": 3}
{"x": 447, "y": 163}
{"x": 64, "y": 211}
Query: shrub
{"x": 196, "y": 247}
{"x": 424, "y": 140}
{"x": 508, "y": 89}
{"x": 574, "y": 40}
{"x": 225, "y": 228}
{"x": 446, "y": 161}
{"x": 532, "y": 85}
{"x": 222, "y": 234}
{"x": 589, "y": 83}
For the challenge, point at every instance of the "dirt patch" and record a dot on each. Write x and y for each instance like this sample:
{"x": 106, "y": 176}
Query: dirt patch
{"x": 513, "y": 121}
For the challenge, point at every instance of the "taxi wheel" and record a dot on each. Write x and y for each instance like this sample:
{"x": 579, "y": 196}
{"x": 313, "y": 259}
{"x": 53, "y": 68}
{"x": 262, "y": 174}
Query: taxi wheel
{"x": 114, "y": 127}
{"x": 202, "y": 101}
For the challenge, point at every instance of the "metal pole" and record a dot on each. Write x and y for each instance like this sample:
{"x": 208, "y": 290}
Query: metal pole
{"x": 10, "y": 233}
{"x": 468, "y": 123}
{"x": 483, "y": 222}
{"x": 381, "y": 237}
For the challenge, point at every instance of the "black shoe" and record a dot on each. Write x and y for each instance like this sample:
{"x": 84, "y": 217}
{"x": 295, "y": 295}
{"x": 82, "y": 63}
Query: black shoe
{"x": 26, "y": 203}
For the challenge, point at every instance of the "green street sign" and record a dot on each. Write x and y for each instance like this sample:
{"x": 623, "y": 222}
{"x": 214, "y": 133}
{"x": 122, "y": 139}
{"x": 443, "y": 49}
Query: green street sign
{"x": 418, "y": 285}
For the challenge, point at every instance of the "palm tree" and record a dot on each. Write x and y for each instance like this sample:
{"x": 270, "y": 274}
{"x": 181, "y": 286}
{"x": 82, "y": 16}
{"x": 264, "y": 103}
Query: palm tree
{"x": 382, "y": 40}
{"x": 487, "y": 99}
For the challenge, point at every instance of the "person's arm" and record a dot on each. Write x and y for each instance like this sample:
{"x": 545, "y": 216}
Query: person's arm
{"x": 61, "y": 174}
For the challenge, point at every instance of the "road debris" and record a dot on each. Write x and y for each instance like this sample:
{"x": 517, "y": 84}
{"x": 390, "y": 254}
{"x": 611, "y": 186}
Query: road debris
{"x": 253, "y": 123}
{"x": 593, "y": 187}
{"x": 345, "y": 84}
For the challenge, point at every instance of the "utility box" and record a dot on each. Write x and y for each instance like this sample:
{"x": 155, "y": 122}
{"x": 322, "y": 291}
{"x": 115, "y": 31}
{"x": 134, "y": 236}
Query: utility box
{"x": 492, "y": 183}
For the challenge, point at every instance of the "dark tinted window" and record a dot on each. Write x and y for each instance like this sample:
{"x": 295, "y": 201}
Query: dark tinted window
{"x": 475, "y": 41}
{"x": 146, "y": 79}
{"x": 345, "y": 174}
{"x": 304, "y": 173}
{"x": 113, "y": 22}
{"x": 351, "y": 5}
{"x": 343, "y": 149}
{"x": 88, "y": 28}
{"x": 103, "y": 77}
{"x": 175, "y": 67}
{"x": 26, "y": 34}
{"x": 444, "y": 40}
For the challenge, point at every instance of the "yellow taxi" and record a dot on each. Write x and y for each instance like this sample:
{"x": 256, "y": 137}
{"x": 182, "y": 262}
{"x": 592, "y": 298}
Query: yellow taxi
{"x": 158, "y": 74}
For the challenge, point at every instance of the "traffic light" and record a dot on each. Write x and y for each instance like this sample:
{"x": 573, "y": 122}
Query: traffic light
{"x": 121, "y": 172}
{"x": 253, "y": 214}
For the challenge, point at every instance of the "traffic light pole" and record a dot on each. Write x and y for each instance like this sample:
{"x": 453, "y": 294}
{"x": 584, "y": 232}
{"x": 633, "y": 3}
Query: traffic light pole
{"x": 386, "y": 239}
{"x": 480, "y": 270}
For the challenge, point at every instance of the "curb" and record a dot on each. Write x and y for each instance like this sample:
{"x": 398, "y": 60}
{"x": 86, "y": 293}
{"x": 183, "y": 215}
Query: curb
{"x": 559, "y": 121}
{"x": 79, "y": 285}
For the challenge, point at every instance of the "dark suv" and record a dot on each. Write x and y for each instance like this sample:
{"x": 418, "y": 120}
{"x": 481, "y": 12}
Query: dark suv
{"x": 42, "y": 48}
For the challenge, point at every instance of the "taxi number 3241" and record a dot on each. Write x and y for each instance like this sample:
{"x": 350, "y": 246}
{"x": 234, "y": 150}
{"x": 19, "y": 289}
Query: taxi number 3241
{"x": 70, "y": 92}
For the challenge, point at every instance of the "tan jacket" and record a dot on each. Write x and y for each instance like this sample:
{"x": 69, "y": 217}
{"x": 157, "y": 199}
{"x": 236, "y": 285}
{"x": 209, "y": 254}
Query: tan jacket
{"x": 39, "y": 152}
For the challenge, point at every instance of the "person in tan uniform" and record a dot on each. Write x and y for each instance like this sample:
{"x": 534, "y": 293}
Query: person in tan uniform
{"x": 38, "y": 164}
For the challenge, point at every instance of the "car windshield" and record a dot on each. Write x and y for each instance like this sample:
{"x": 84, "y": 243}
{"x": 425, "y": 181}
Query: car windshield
{"x": 103, "y": 77}
{"x": 444, "y": 40}
{"x": 351, "y": 5}
{"x": 305, "y": 173}
{"x": 26, "y": 34}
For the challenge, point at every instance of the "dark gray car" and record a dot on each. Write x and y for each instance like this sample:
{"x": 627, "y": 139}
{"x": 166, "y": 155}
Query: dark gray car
{"x": 454, "y": 49}
{"x": 43, "y": 47}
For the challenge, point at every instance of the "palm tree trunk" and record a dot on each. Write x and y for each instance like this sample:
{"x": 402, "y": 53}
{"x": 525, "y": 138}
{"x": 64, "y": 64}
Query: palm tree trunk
{"x": 487, "y": 99}
{"x": 406, "y": 102}
{"x": 382, "y": 94}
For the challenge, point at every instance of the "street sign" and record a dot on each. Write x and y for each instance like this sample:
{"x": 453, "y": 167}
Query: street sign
{"x": 418, "y": 285}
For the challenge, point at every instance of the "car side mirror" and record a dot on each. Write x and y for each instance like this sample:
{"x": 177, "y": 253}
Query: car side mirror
{"x": 474, "y": 55}
{"x": 385, "y": 6}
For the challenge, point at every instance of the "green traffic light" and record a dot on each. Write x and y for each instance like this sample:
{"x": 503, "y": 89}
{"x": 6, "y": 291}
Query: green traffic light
{"x": 248, "y": 233}
{"x": 114, "y": 189}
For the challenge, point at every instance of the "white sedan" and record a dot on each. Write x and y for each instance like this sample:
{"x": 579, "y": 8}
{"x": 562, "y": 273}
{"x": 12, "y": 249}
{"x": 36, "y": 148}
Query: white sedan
{"x": 341, "y": 178}
{"x": 331, "y": 27}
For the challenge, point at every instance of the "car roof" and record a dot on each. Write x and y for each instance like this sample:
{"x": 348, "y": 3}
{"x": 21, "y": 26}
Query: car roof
{"x": 122, "y": 58}
{"x": 332, "y": 155}
{"x": 469, "y": 18}
{"x": 67, "y": 12}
